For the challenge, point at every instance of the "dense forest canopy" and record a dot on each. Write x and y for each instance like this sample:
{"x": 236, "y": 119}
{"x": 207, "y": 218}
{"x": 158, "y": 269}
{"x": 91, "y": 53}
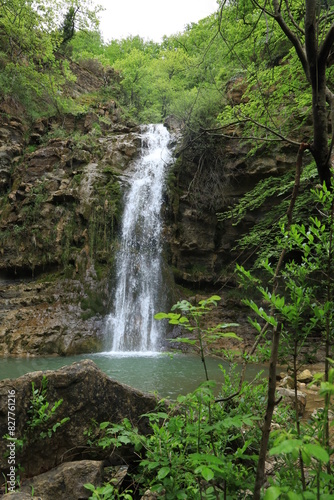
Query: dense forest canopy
{"x": 192, "y": 75}
{"x": 262, "y": 52}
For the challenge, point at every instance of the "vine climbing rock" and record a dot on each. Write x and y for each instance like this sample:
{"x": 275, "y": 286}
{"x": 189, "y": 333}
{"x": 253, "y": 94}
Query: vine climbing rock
{"x": 88, "y": 395}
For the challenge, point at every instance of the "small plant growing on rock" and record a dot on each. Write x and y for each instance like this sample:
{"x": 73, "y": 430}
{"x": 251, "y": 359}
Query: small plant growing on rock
{"x": 42, "y": 422}
{"x": 41, "y": 414}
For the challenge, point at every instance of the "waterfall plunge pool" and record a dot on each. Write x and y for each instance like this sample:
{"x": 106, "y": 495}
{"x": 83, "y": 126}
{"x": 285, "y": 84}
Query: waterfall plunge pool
{"x": 166, "y": 374}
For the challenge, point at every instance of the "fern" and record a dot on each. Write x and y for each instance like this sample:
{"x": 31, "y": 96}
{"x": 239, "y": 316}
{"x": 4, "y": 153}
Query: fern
{"x": 262, "y": 237}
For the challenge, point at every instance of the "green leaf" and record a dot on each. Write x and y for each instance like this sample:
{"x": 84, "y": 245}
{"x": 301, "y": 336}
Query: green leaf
{"x": 104, "y": 425}
{"x": 286, "y": 446}
{"x": 207, "y": 473}
{"x": 89, "y": 487}
{"x": 214, "y": 297}
{"x": 317, "y": 451}
{"x": 163, "y": 472}
{"x": 174, "y": 321}
{"x": 161, "y": 315}
{"x": 185, "y": 340}
{"x": 227, "y": 325}
{"x": 124, "y": 439}
{"x": 295, "y": 496}
{"x": 326, "y": 388}
{"x": 229, "y": 335}
{"x": 272, "y": 493}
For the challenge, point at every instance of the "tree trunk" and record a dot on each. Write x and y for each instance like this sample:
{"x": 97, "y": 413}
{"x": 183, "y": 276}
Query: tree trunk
{"x": 316, "y": 58}
{"x": 319, "y": 147}
{"x": 260, "y": 472}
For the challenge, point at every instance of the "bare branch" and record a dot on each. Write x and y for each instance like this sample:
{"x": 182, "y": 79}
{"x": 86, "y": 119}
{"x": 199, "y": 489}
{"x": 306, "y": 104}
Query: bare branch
{"x": 280, "y": 137}
{"x": 224, "y": 400}
{"x": 263, "y": 7}
{"x": 292, "y": 19}
{"x": 255, "y": 138}
{"x": 291, "y": 36}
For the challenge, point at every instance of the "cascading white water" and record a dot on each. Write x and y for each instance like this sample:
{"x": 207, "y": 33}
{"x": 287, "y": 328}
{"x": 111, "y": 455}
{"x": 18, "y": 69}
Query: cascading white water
{"x": 131, "y": 327}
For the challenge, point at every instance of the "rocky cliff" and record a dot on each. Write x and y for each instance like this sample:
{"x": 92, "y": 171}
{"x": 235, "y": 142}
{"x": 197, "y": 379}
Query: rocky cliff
{"x": 60, "y": 188}
{"x": 60, "y": 204}
{"x": 209, "y": 177}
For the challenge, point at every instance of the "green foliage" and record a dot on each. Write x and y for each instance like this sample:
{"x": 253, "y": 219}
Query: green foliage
{"x": 43, "y": 420}
{"x": 301, "y": 304}
{"x": 308, "y": 444}
{"x": 176, "y": 77}
{"x": 271, "y": 195}
{"x": 42, "y": 416}
{"x": 32, "y": 75}
{"x": 107, "y": 492}
{"x": 190, "y": 319}
{"x": 196, "y": 448}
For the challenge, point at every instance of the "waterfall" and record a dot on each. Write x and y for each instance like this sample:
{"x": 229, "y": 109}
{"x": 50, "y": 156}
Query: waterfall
{"x": 131, "y": 326}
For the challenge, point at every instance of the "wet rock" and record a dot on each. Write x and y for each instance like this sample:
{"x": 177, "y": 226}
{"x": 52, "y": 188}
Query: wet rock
{"x": 58, "y": 218}
{"x": 318, "y": 413}
{"x": 202, "y": 248}
{"x": 47, "y": 318}
{"x": 287, "y": 381}
{"x": 150, "y": 495}
{"x": 121, "y": 148}
{"x": 88, "y": 396}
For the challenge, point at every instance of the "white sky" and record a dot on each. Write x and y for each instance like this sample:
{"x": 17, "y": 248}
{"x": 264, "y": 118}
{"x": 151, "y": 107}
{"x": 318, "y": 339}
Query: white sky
{"x": 151, "y": 19}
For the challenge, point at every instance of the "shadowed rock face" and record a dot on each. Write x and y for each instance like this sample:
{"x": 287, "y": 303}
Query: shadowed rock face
{"x": 210, "y": 179}
{"x": 88, "y": 396}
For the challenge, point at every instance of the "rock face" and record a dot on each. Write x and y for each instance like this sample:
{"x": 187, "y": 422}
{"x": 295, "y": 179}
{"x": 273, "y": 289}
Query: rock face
{"x": 60, "y": 206}
{"x": 88, "y": 396}
{"x": 46, "y": 318}
{"x": 206, "y": 182}
{"x": 61, "y": 183}
{"x": 67, "y": 480}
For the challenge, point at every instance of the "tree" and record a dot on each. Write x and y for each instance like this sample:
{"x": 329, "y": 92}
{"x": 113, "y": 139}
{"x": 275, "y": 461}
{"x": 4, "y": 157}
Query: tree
{"x": 31, "y": 32}
{"x": 80, "y": 16}
{"x": 308, "y": 26}
{"x": 68, "y": 27}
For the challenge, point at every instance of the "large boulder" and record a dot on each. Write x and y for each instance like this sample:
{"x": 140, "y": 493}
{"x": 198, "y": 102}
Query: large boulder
{"x": 66, "y": 481}
{"x": 88, "y": 396}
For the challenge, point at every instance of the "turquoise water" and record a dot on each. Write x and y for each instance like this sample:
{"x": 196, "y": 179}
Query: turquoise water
{"x": 167, "y": 375}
